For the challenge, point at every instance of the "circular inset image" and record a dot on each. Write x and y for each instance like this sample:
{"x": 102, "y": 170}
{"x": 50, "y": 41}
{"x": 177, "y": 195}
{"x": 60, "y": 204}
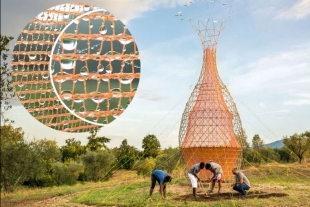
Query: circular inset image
{"x": 30, "y": 65}
{"x": 95, "y": 67}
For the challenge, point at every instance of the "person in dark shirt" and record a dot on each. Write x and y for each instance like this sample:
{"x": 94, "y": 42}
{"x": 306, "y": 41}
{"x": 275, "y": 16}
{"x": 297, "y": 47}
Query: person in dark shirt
{"x": 192, "y": 175}
{"x": 162, "y": 178}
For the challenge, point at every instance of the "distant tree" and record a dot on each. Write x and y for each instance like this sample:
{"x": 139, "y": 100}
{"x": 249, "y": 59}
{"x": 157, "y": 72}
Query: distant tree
{"x": 98, "y": 165}
{"x": 144, "y": 167}
{"x": 126, "y": 155}
{"x": 257, "y": 142}
{"x": 267, "y": 154}
{"x": 246, "y": 147}
{"x": 244, "y": 140}
{"x": 169, "y": 159}
{"x": 72, "y": 150}
{"x": 6, "y": 92}
{"x": 48, "y": 153}
{"x": 96, "y": 143}
{"x": 299, "y": 144}
{"x": 17, "y": 160}
{"x": 284, "y": 155}
{"x": 151, "y": 146}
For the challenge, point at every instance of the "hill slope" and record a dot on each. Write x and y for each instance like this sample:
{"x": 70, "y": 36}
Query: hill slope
{"x": 276, "y": 144}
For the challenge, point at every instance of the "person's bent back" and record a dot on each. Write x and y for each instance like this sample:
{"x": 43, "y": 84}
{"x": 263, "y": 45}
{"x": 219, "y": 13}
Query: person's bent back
{"x": 162, "y": 178}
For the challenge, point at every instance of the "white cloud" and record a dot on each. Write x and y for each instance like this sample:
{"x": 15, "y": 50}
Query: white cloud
{"x": 125, "y": 10}
{"x": 262, "y": 104}
{"x": 131, "y": 9}
{"x": 275, "y": 73}
{"x": 298, "y": 102}
{"x": 275, "y": 112}
{"x": 305, "y": 95}
{"x": 299, "y": 10}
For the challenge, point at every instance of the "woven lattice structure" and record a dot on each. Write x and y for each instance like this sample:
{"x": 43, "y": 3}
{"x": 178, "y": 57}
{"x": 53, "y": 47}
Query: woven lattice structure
{"x": 210, "y": 127}
{"x": 30, "y": 64}
{"x": 96, "y": 67}
{"x": 75, "y": 67}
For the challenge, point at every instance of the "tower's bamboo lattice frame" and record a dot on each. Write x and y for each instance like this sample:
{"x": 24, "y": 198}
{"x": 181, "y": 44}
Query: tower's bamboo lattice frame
{"x": 110, "y": 100}
{"x": 30, "y": 64}
{"x": 211, "y": 127}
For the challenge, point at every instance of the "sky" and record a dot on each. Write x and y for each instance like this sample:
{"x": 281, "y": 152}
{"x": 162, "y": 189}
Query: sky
{"x": 263, "y": 56}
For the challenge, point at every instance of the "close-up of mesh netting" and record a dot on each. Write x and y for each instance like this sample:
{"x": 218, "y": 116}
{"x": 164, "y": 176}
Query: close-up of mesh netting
{"x": 96, "y": 67}
{"x": 30, "y": 63}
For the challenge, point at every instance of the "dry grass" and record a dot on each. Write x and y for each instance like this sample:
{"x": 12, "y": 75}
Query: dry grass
{"x": 272, "y": 185}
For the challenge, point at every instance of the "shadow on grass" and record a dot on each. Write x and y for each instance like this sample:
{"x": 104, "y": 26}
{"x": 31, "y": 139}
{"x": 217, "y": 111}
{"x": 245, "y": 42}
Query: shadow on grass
{"x": 227, "y": 196}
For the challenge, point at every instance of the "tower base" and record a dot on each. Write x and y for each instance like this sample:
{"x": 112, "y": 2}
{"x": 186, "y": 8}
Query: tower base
{"x": 224, "y": 156}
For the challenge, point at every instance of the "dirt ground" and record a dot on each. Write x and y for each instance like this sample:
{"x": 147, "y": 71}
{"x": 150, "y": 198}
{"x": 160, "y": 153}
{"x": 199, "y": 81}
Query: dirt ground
{"x": 183, "y": 193}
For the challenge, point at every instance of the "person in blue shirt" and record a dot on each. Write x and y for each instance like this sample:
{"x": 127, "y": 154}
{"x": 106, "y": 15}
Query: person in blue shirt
{"x": 162, "y": 178}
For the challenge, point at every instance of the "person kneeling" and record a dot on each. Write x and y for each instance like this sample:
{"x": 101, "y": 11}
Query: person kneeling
{"x": 242, "y": 182}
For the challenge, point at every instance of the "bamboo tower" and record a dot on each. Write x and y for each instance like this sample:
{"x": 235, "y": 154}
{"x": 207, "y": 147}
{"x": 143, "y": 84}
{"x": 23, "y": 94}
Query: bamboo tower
{"x": 211, "y": 127}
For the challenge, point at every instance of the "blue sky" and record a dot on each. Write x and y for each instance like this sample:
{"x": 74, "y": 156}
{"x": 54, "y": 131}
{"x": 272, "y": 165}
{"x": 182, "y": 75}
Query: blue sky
{"x": 263, "y": 55}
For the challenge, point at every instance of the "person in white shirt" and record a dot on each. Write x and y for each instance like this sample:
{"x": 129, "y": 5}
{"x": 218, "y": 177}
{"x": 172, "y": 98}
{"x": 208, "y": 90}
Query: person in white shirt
{"x": 192, "y": 175}
{"x": 217, "y": 171}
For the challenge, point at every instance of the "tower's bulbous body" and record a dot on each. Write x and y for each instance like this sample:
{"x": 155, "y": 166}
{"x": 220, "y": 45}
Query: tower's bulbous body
{"x": 207, "y": 129}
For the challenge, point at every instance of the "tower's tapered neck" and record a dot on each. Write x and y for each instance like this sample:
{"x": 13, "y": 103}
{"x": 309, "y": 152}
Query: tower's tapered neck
{"x": 210, "y": 75}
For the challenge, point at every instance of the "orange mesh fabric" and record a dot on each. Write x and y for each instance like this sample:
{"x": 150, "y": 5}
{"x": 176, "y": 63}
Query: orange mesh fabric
{"x": 210, "y": 131}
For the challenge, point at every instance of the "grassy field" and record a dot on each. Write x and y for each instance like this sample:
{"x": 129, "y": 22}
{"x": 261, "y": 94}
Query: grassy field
{"x": 272, "y": 185}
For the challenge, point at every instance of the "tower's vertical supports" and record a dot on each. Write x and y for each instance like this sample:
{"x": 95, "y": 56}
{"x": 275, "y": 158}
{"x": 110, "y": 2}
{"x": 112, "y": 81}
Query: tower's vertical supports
{"x": 210, "y": 127}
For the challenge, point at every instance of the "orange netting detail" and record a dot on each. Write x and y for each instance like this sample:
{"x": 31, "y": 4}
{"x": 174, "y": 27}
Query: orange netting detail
{"x": 108, "y": 58}
{"x": 30, "y": 63}
{"x": 210, "y": 121}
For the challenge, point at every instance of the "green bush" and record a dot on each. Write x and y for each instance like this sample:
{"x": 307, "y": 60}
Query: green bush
{"x": 98, "y": 165}
{"x": 67, "y": 173}
{"x": 144, "y": 167}
{"x": 169, "y": 160}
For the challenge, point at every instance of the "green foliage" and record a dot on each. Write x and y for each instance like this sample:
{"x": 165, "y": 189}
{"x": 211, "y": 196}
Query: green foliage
{"x": 6, "y": 92}
{"x": 46, "y": 152}
{"x": 67, "y": 173}
{"x": 16, "y": 158}
{"x": 299, "y": 144}
{"x": 151, "y": 146}
{"x": 98, "y": 165}
{"x": 244, "y": 140}
{"x": 169, "y": 159}
{"x": 261, "y": 155}
{"x": 126, "y": 155}
{"x": 72, "y": 151}
{"x": 257, "y": 142}
{"x": 284, "y": 155}
{"x": 23, "y": 162}
{"x": 145, "y": 167}
{"x": 96, "y": 143}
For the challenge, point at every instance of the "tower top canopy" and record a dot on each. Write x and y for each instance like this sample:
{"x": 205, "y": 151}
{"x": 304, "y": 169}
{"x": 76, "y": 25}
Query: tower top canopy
{"x": 209, "y": 31}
